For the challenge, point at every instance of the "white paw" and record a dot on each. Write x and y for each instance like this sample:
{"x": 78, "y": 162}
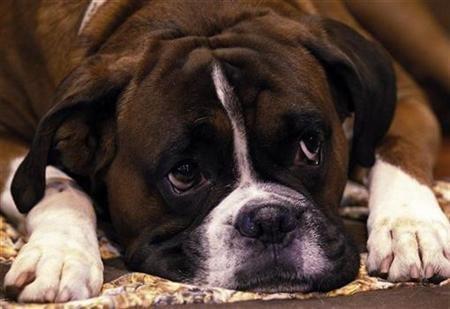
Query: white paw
{"x": 409, "y": 235}
{"x": 54, "y": 270}
{"x": 409, "y": 248}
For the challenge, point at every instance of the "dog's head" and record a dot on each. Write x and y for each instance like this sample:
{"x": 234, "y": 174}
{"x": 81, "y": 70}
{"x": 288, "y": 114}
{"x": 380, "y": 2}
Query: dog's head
{"x": 221, "y": 151}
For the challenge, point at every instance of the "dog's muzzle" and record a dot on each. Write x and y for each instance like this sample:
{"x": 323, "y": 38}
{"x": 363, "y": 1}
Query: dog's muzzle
{"x": 268, "y": 237}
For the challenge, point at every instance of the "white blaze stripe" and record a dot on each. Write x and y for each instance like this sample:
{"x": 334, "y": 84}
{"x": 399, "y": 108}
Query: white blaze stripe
{"x": 92, "y": 8}
{"x": 232, "y": 107}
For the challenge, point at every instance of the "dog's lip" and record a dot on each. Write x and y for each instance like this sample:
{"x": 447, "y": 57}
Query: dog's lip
{"x": 273, "y": 282}
{"x": 272, "y": 276}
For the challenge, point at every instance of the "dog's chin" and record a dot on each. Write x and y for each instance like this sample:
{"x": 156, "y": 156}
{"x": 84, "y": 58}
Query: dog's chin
{"x": 284, "y": 282}
{"x": 271, "y": 283}
{"x": 288, "y": 277}
{"x": 272, "y": 278}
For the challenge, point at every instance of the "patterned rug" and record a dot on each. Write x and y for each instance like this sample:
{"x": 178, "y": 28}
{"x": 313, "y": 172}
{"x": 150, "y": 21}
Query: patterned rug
{"x": 138, "y": 289}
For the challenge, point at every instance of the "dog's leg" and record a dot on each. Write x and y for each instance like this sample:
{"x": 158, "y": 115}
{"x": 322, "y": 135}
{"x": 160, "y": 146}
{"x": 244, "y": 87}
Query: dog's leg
{"x": 409, "y": 235}
{"x": 10, "y": 149}
{"x": 61, "y": 259}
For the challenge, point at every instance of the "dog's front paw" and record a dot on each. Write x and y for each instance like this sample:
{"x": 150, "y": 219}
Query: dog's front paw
{"x": 410, "y": 245}
{"x": 54, "y": 269}
{"x": 409, "y": 235}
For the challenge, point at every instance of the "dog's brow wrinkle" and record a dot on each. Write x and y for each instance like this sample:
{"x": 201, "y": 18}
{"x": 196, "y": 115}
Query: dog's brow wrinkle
{"x": 232, "y": 107}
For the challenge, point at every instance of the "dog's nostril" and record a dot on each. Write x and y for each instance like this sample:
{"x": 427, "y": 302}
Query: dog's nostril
{"x": 270, "y": 224}
{"x": 288, "y": 223}
{"x": 248, "y": 226}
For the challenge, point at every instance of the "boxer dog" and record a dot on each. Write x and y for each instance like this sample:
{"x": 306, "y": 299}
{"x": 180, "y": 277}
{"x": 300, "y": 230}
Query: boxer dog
{"x": 212, "y": 134}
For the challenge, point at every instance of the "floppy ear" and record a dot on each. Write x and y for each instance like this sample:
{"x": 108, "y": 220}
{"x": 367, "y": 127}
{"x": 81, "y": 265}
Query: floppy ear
{"x": 361, "y": 74}
{"x": 77, "y": 133}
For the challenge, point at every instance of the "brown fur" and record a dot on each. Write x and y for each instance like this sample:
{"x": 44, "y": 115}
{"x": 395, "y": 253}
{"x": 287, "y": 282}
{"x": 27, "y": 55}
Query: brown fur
{"x": 413, "y": 140}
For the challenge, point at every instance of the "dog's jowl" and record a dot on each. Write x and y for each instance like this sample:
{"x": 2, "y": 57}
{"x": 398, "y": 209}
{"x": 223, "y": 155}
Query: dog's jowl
{"x": 210, "y": 133}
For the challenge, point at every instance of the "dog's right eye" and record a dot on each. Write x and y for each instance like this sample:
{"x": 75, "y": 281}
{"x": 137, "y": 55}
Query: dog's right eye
{"x": 184, "y": 176}
{"x": 309, "y": 150}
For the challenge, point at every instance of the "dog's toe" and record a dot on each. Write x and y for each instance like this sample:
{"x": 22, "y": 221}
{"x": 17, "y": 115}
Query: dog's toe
{"x": 22, "y": 271}
{"x": 74, "y": 273}
{"x": 380, "y": 256}
{"x": 434, "y": 246}
{"x": 406, "y": 255}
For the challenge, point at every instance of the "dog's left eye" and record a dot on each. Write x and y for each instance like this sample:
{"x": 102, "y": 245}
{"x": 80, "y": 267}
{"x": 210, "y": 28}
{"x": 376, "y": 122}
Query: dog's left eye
{"x": 309, "y": 150}
{"x": 184, "y": 176}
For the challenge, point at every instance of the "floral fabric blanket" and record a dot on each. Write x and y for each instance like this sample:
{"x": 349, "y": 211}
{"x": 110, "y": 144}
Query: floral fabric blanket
{"x": 138, "y": 289}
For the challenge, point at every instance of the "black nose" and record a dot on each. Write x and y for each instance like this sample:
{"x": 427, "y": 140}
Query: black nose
{"x": 268, "y": 223}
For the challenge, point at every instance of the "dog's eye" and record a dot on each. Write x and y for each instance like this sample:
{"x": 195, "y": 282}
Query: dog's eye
{"x": 184, "y": 176}
{"x": 309, "y": 150}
